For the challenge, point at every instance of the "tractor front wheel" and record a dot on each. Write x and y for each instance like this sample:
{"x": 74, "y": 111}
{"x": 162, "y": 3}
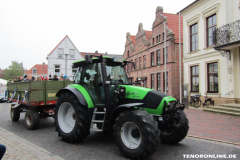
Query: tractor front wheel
{"x": 71, "y": 118}
{"x": 136, "y": 133}
{"x": 171, "y": 134}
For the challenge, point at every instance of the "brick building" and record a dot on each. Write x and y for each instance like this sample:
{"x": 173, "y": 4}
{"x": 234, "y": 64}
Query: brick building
{"x": 146, "y": 50}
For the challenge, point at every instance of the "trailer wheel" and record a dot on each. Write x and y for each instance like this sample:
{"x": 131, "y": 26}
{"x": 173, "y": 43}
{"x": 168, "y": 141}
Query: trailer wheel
{"x": 32, "y": 119}
{"x": 136, "y": 133}
{"x": 14, "y": 114}
{"x": 71, "y": 118}
{"x": 175, "y": 135}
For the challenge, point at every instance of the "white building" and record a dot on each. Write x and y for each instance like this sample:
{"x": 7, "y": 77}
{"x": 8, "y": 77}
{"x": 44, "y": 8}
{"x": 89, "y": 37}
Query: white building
{"x": 60, "y": 59}
{"x": 207, "y": 71}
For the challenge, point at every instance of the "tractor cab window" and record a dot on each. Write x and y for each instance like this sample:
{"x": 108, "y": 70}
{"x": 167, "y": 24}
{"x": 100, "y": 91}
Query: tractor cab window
{"x": 116, "y": 74}
{"x": 77, "y": 75}
{"x": 91, "y": 80}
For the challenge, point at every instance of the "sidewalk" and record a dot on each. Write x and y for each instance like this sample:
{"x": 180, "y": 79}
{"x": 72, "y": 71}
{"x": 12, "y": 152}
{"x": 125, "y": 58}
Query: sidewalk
{"x": 19, "y": 148}
{"x": 213, "y": 125}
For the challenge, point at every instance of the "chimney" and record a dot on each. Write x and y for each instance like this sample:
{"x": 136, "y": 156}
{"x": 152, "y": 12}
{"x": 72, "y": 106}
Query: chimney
{"x": 43, "y": 63}
{"x": 106, "y": 52}
{"x": 96, "y": 52}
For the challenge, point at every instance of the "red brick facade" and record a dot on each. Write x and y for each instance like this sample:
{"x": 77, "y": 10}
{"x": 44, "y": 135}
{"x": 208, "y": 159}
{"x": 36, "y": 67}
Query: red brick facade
{"x": 146, "y": 43}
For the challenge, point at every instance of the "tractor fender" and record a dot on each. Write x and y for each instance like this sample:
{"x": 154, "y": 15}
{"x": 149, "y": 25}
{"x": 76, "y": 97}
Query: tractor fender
{"x": 74, "y": 91}
{"x": 122, "y": 108}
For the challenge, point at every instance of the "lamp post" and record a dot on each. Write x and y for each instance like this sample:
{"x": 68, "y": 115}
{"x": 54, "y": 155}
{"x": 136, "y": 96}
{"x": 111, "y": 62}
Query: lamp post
{"x": 66, "y": 58}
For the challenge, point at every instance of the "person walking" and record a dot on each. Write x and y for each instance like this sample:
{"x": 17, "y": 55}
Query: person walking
{"x": 2, "y": 150}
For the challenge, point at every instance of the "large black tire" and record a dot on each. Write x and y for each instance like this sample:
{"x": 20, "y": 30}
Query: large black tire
{"x": 172, "y": 136}
{"x": 14, "y": 114}
{"x": 32, "y": 119}
{"x": 71, "y": 119}
{"x": 136, "y": 133}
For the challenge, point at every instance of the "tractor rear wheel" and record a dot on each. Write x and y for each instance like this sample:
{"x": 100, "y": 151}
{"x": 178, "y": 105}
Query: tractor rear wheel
{"x": 71, "y": 118}
{"x": 173, "y": 135}
{"x": 136, "y": 133}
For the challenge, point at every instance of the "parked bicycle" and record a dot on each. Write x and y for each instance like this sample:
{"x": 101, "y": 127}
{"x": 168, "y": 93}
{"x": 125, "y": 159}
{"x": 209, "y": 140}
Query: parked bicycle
{"x": 196, "y": 101}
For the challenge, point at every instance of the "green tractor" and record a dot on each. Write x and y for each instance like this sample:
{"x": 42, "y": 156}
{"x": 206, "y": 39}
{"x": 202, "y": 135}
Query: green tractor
{"x": 103, "y": 99}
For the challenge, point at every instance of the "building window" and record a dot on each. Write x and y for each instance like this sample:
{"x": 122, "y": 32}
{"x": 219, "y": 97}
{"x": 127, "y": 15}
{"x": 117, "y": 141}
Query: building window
{"x": 140, "y": 62}
{"x": 144, "y": 61}
{"x": 128, "y": 54}
{"x": 156, "y": 39}
{"x": 159, "y": 81}
{"x": 152, "y": 81}
{"x": 163, "y": 36}
{"x": 60, "y": 53}
{"x": 152, "y": 59}
{"x": 159, "y": 37}
{"x": 145, "y": 83}
{"x": 136, "y": 64}
{"x": 194, "y": 79}
{"x": 166, "y": 81}
{"x": 71, "y": 53}
{"x": 153, "y": 41}
{"x": 211, "y": 26}
{"x": 212, "y": 71}
{"x": 194, "y": 37}
{"x": 34, "y": 70}
{"x": 158, "y": 56}
{"x": 57, "y": 70}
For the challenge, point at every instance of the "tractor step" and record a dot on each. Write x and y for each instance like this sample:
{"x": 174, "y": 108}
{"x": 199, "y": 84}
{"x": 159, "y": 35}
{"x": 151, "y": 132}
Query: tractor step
{"x": 96, "y": 129}
{"x": 99, "y": 112}
{"x": 98, "y": 121}
{"x": 101, "y": 121}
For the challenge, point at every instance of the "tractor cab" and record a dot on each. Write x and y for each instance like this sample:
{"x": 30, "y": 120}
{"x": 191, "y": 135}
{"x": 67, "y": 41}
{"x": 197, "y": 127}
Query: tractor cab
{"x": 95, "y": 73}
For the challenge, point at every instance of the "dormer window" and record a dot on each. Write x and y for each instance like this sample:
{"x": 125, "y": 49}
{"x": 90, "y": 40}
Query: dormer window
{"x": 34, "y": 70}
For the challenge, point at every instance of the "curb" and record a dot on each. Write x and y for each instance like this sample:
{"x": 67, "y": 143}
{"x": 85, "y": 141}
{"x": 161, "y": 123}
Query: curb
{"x": 215, "y": 140}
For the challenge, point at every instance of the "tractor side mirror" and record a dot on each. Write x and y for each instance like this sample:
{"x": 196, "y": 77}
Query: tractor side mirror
{"x": 88, "y": 58}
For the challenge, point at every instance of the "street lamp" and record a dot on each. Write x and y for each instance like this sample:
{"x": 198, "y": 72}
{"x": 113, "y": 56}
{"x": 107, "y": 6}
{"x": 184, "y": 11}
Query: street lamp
{"x": 66, "y": 58}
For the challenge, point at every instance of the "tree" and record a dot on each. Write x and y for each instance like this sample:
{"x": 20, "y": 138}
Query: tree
{"x": 16, "y": 69}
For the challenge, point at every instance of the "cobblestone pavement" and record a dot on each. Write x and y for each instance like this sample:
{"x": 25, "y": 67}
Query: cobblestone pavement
{"x": 19, "y": 148}
{"x": 213, "y": 125}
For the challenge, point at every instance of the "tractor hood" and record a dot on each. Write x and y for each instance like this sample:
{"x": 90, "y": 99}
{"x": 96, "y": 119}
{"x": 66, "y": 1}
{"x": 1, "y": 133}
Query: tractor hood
{"x": 154, "y": 101}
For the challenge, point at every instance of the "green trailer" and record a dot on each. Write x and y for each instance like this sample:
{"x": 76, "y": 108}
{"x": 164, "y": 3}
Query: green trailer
{"x": 36, "y": 98}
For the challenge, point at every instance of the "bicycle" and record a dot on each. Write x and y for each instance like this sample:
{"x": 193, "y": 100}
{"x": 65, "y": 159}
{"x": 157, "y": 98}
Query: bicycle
{"x": 196, "y": 101}
{"x": 208, "y": 101}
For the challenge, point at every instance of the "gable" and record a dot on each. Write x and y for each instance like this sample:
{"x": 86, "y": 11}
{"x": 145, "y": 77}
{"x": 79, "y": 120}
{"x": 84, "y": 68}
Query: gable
{"x": 65, "y": 46}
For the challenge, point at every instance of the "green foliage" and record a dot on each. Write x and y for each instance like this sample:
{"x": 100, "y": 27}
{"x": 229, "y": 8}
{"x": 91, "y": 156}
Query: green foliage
{"x": 16, "y": 69}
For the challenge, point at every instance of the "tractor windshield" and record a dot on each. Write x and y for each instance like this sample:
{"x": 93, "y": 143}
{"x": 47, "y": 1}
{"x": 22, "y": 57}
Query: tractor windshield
{"x": 116, "y": 74}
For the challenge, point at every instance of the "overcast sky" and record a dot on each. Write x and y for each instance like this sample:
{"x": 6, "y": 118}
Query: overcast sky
{"x": 30, "y": 29}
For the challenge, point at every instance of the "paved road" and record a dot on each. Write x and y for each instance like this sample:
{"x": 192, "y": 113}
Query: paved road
{"x": 97, "y": 145}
